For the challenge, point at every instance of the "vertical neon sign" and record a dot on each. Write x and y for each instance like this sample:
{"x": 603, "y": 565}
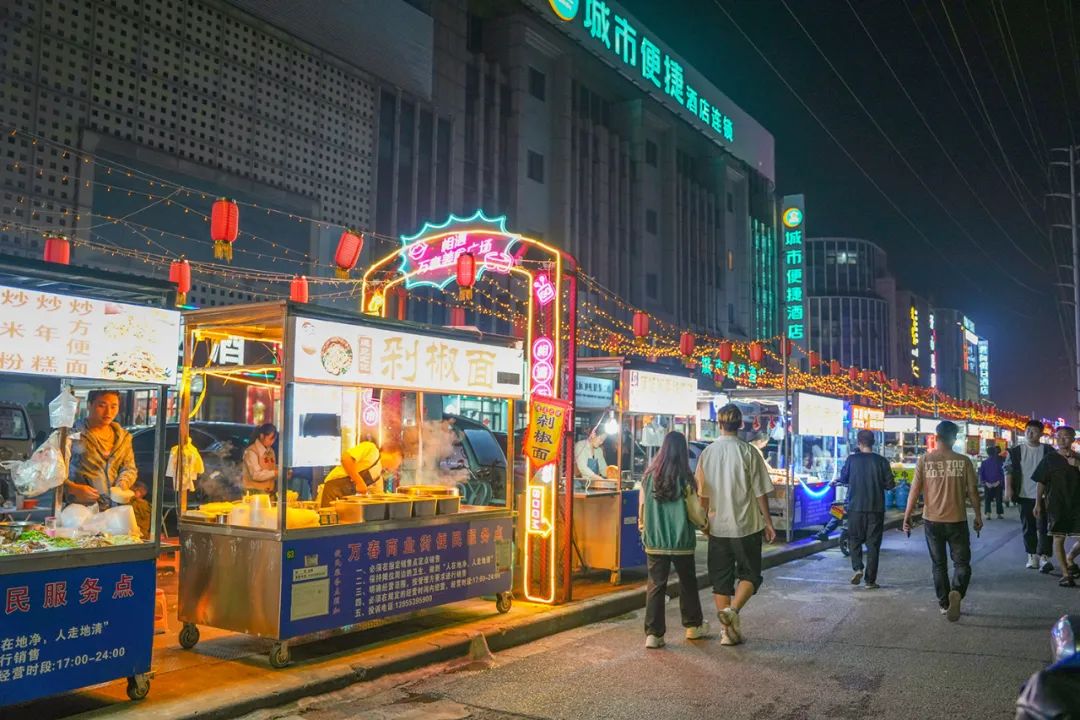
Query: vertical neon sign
{"x": 792, "y": 267}
{"x": 933, "y": 353}
{"x": 916, "y": 371}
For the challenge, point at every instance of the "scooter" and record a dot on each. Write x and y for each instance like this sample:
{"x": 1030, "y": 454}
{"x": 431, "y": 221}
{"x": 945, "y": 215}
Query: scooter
{"x": 1054, "y": 692}
{"x": 838, "y": 511}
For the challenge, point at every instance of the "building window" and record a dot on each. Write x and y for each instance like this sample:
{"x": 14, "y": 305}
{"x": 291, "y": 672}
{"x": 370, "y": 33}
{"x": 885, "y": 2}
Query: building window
{"x": 651, "y": 153}
{"x": 650, "y": 221}
{"x": 651, "y": 282}
{"x": 535, "y": 169}
{"x": 730, "y": 203}
{"x": 537, "y": 84}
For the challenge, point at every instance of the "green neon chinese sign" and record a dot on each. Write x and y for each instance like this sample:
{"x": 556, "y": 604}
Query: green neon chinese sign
{"x": 644, "y": 56}
{"x": 792, "y": 267}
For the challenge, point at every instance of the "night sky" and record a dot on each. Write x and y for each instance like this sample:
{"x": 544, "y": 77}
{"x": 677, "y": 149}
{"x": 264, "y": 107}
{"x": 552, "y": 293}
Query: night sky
{"x": 996, "y": 101}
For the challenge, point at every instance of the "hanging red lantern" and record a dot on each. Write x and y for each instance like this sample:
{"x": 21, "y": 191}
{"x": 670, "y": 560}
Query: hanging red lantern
{"x": 224, "y": 227}
{"x": 349, "y": 246}
{"x": 834, "y": 367}
{"x": 853, "y": 374}
{"x": 57, "y": 250}
{"x": 867, "y": 377}
{"x": 814, "y": 359}
{"x": 686, "y": 344}
{"x": 641, "y": 325}
{"x": 757, "y": 352}
{"x": 298, "y": 289}
{"x": 894, "y": 386}
{"x": 457, "y": 317}
{"x": 517, "y": 328}
{"x": 466, "y": 275}
{"x": 724, "y": 351}
{"x": 180, "y": 275}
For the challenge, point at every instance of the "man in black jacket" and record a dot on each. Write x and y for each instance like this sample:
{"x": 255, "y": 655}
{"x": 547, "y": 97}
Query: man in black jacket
{"x": 1021, "y": 488}
{"x": 867, "y": 476}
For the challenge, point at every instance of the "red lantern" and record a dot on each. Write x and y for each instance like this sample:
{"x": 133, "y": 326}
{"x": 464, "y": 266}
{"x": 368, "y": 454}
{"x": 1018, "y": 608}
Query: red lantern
{"x": 757, "y": 353}
{"x": 814, "y": 359}
{"x": 224, "y": 227}
{"x": 517, "y": 329}
{"x": 853, "y": 374}
{"x": 787, "y": 347}
{"x": 724, "y": 352}
{"x": 57, "y": 250}
{"x": 894, "y": 386}
{"x": 349, "y": 246}
{"x": 867, "y": 377}
{"x": 298, "y": 289}
{"x": 834, "y": 367}
{"x": 457, "y": 317}
{"x": 466, "y": 275}
{"x": 686, "y": 344}
{"x": 641, "y": 325}
{"x": 180, "y": 275}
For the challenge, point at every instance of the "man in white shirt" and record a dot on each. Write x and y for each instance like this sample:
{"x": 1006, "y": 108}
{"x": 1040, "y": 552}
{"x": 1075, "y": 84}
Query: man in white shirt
{"x": 734, "y": 484}
{"x": 1020, "y": 488}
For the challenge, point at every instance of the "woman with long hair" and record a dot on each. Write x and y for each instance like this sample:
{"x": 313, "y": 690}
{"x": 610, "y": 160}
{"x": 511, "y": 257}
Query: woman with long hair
{"x": 669, "y": 538}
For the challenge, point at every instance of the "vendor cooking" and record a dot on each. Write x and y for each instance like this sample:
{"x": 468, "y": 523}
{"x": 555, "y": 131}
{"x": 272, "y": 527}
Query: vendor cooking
{"x": 589, "y": 459}
{"x": 361, "y": 471}
{"x": 101, "y": 456}
{"x": 260, "y": 463}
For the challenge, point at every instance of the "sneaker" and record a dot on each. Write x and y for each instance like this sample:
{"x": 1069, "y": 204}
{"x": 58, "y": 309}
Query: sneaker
{"x": 653, "y": 642}
{"x": 1032, "y": 562}
{"x": 1000, "y": 516}
{"x": 872, "y": 586}
{"x": 729, "y": 618}
{"x": 821, "y": 537}
{"x": 1047, "y": 566}
{"x": 698, "y": 633}
{"x": 953, "y": 611}
{"x": 1067, "y": 581}
{"x": 725, "y": 639}
{"x": 1074, "y": 570}
{"x": 857, "y": 577}
{"x": 944, "y": 610}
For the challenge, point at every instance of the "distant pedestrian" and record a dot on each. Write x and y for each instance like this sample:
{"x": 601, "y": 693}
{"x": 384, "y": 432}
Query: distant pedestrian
{"x": 1057, "y": 498}
{"x": 1020, "y": 470}
{"x": 734, "y": 485}
{"x": 992, "y": 479}
{"x": 867, "y": 476}
{"x": 947, "y": 480}
{"x": 670, "y": 539}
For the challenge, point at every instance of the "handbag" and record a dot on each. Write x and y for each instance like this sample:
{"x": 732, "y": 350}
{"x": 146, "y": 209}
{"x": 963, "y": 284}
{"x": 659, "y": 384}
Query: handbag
{"x": 699, "y": 516}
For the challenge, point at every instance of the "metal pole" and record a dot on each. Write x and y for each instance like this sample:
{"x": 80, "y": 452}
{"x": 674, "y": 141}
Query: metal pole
{"x": 1076, "y": 270}
{"x": 789, "y": 502}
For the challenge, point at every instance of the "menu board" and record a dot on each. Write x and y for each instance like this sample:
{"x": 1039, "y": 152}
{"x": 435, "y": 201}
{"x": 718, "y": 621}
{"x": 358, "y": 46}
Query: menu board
{"x": 339, "y": 353}
{"x": 818, "y": 416}
{"x": 43, "y": 333}
{"x": 660, "y": 394}
{"x": 867, "y": 418}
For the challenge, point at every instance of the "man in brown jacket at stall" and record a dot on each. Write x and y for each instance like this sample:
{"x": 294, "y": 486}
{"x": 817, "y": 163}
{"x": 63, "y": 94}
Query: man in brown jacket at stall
{"x": 947, "y": 480}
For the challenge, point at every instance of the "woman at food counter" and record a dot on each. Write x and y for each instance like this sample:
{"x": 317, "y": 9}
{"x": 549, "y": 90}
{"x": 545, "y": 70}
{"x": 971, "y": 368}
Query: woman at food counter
{"x": 260, "y": 463}
{"x": 102, "y": 456}
{"x": 589, "y": 457}
{"x": 361, "y": 471}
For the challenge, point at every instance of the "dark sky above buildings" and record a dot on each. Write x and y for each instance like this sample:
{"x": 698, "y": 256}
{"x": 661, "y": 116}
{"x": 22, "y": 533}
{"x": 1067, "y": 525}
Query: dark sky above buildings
{"x": 948, "y": 159}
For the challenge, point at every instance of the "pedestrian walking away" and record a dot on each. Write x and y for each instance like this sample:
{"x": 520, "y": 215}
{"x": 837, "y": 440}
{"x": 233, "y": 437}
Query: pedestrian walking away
{"x": 1020, "y": 467}
{"x": 1057, "y": 497}
{"x": 670, "y": 538}
{"x": 734, "y": 486}
{"x": 992, "y": 479}
{"x": 947, "y": 481}
{"x": 867, "y": 476}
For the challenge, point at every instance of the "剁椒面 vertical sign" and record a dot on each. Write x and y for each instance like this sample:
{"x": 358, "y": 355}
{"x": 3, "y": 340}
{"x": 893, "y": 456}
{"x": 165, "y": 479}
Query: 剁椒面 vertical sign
{"x": 792, "y": 266}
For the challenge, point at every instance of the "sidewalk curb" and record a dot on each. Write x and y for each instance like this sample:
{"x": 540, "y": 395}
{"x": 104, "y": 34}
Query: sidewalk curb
{"x": 290, "y": 688}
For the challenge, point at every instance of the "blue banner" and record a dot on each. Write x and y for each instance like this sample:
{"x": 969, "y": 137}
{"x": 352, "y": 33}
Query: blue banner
{"x": 333, "y": 582}
{"x": 812, "y": 506}
{"x": 65, "y": 629}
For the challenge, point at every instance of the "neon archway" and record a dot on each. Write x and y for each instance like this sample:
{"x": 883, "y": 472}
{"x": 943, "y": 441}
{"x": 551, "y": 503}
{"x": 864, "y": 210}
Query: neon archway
{"x": 545, "y": 278}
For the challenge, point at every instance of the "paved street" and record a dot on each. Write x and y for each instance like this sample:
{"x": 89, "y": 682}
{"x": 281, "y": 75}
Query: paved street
{"x": 816, "y": 648}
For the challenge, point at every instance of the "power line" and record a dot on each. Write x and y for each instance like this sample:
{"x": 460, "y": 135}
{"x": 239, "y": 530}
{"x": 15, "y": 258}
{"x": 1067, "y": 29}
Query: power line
{"x": 1016, "y": 69}
{"x": 903, "y": 158}
{"x": 978, "y": 287}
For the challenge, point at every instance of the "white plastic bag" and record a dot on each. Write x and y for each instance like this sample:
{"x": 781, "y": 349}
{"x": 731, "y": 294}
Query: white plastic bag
{"x": 62, "y": 410}
{"x": 45, "y": 469}
{"x": 74, "y": 515}
{"x": 114, "y": 521}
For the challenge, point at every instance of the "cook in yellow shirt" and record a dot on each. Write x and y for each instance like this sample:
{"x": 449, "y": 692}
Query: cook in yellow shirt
{"x": 361, "y": 470}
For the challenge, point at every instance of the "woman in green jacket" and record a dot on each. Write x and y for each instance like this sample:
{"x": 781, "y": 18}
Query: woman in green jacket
{"x": 669, "y": 539}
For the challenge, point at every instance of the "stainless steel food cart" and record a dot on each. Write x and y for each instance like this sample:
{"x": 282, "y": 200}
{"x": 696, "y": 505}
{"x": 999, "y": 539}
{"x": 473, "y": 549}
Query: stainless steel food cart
{"x": 287, "y": 577}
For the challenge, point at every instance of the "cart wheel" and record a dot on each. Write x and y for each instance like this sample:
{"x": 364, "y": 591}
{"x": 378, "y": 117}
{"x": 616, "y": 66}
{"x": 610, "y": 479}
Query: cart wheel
{"x": 279, "y": 655}
{"x": 138, "y": 686}
{"x": 189, "y": 636}
{"x": 503, "y": 602}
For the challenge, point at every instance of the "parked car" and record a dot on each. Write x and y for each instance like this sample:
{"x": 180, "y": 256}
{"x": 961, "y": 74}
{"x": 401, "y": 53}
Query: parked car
{"x": 221, "y": 446}
{"x": 16, "y": 443}
{"x": 484, "y": 459}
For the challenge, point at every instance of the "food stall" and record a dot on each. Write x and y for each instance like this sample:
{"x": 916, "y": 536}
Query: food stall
{"x": 646, "y": 405}
{"x": 79, "y": 585}
{"x": 275, "y": 567}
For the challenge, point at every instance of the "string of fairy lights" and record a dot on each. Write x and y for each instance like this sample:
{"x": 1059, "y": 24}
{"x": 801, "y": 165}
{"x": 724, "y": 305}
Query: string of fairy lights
{"x": 604, "y": 319}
